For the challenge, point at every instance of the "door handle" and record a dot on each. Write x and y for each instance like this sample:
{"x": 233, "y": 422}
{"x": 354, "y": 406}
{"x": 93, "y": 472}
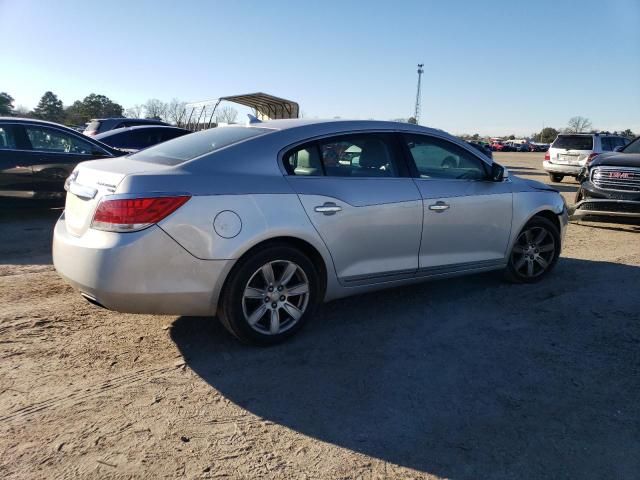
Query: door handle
{"x": 329, "y": 208}
{"x": 439, "y": 207}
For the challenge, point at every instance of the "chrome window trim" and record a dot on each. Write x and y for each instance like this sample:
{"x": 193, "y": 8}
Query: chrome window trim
{"x": 284, "y": 150}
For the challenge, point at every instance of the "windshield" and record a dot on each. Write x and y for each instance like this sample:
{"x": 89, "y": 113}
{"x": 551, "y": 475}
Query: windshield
{"x": 574, "y": 142}
{"x": 197, "y": 144}
{"x": 633, "y": 147}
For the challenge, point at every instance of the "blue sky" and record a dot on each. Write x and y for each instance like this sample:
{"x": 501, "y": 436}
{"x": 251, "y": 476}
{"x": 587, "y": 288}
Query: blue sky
{"x": 493, "y": 67}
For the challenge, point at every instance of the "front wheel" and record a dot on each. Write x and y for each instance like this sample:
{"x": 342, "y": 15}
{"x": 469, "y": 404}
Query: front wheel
{"x": 535, "y": 251}
{"x": 556, "y": 177}
{"x": 269, "y": 295}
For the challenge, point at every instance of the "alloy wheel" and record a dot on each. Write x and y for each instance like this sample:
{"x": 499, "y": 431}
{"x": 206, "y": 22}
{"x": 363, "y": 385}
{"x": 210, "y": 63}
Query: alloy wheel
{"x": 533, "y": 252}
{"x": 275, "y": 297}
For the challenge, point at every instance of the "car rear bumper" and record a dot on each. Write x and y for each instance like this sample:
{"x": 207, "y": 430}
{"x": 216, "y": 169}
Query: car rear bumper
{"x": 571, "y": 170}
{"x": 139, "y": 272}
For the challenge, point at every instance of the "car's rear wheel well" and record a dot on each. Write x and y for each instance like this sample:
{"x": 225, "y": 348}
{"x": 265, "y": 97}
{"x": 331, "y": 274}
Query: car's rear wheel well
{"x": 299, "y": 244}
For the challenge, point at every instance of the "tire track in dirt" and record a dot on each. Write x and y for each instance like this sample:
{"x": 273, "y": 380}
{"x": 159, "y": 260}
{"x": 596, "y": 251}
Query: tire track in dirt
{"x": 79, "y": 395}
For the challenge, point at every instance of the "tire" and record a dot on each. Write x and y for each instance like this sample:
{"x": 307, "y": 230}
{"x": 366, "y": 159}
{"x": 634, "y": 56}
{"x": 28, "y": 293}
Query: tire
{"x": 556, "y": 177}
{"x": 533, "y": 254}
{"x": 248, "y": 301}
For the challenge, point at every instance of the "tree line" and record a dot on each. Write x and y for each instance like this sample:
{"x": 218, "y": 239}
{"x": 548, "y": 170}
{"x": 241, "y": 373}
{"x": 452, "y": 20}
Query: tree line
{"x": 51, "y": 108}
{"x": 548, "y": 134}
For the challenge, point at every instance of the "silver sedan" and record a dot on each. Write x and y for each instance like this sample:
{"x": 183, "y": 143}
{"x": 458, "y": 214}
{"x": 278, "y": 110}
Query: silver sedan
{"x": 258, "y": 224}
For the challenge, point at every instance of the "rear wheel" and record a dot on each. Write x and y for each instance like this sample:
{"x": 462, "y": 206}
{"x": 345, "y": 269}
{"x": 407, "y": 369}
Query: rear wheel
{"x": 535, "y": 251}
{"x": 270, "y": 295}
{"x": 556, "y": 177}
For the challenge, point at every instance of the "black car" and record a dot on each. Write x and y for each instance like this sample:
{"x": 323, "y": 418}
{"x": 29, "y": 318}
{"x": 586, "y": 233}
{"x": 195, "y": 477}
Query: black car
{"x": 482, "y": 147}
{"x": 101, "y": 125}
{"x": 610, "y": 185}
{"x": 36, "y": 157}
{"x": 132, "y": 139}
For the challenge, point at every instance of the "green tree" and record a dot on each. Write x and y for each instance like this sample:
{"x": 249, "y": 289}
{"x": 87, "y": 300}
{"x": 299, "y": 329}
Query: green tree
{"x": 93, "y": 106}
{"x": 512, "y": 137}
{"x": 412, "y": 120}
{"x": 6, "y": 104}
{"x": 626, "y": 133}
{"x": 49, "y": 108}
{"x": 547, "y": 135}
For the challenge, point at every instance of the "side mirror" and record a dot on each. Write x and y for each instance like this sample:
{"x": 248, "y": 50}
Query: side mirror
{"x": 618, "y": 148}
{"x": 497, "y": 172}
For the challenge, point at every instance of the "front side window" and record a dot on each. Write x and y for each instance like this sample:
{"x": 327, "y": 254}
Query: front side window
{"x": 606, "y": 144}
{"x": 49, "y": 140}
{"x": 436, "y": 158}
{"x": 7, "y": 138}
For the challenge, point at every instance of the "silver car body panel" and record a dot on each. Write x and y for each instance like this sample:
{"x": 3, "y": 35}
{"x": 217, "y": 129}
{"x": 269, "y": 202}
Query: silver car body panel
{"x": 371, "y": 233}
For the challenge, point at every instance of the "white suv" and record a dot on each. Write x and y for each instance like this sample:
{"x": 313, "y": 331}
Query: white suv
{"x": 570, "y": 152}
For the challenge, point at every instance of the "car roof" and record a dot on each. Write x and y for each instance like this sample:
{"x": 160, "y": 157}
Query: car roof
{"x": 32, "y": 120}
{"x": 125, "y": 118}
{"x": 340, "y": 125}
{"x": 115, "y": 131}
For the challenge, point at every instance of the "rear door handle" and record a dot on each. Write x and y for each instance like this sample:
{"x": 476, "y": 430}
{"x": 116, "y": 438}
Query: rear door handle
{"x": 329, "y": 208}
{"x": 439, "y": 207}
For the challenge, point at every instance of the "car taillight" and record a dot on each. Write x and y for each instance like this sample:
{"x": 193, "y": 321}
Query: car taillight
{"x": 133, "y": 214}
{"x": 547, "y": 155}
{"x": 591, "y": 157}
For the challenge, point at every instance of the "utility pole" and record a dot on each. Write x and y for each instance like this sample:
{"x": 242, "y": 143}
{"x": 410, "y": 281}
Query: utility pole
{"x": 416, "y": 114}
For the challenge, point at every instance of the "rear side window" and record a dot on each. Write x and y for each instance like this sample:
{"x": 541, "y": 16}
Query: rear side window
{"x": 359, "y": 155}
{"x": 574, "y": 142}
{"x": 607, "y": 145}
{"x": 7, "y": 138}
{"x": 186, "y": 148}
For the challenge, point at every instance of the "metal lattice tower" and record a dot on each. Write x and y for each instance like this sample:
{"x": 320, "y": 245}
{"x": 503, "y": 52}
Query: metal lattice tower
{"x": 416, "y": 114}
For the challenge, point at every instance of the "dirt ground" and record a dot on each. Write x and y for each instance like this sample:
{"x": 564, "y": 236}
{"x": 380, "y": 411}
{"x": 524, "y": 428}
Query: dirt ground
{"x": 467, "y": 378}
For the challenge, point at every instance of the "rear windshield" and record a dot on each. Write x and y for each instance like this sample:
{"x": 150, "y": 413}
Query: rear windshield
{"x": 194, "y": 145}
{"x": 574, "y": 142}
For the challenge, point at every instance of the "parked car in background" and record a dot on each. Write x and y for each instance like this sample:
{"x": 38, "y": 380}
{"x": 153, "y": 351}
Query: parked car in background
{"x": 482, "y": 147}
{"x": 101, "y": 125}
{"x": 538, "y": 147}
{"x": 261, "y": 223}
{"x": 569, "y": 153}
{"x": 610, "y": 185}
{"x": 497, "y": 146}
{"x": 36, "y": 157}
{"x": 132, "y": 139}
{"x": 521, "y": 147}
